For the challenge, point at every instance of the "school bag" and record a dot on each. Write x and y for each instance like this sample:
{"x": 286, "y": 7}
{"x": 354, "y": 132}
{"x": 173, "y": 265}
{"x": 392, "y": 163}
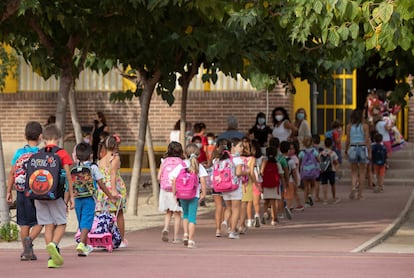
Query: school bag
{"x": 325, "y": 161}
{"x": 186, "y": 184}
{"x": 20, "y": 169}
{"x": 310, "y": 168}
{"x": 271, "y": 177}
{"x": 168, "y": 164}
{"x": 82, "y": 179}
{"x": 379, "y": 154}
{"x": 224, "y": 175}
{"x": 44, "y": 180}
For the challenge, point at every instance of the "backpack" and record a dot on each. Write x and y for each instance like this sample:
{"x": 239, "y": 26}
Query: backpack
{"x": 224, "y": 175}
{"x": 271, "y": 176}
{"x": 84, "y": 184}
{"x": 186, "y": 184}
{"x": 379, "y": 154}
{"x": 309, "y": 168}
{"x": 20, "y": 169}
{"x": 168, "y": 164}
{"x": 325, "y": 162}
{"x": 44, "y": 180}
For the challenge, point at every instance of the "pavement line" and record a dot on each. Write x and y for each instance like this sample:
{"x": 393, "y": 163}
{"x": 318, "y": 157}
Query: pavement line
{"x": 390, "y": 230}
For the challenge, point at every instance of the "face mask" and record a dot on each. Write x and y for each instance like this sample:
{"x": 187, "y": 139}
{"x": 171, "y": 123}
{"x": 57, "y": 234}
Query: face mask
{"x": 86, "y": 140}
{"x": 261, "y": 121}
{"x": 279, "y": 118}
{"x": 199, "y": 145}
{"x": 211, "y": 142}
{"x": 300, "y": 116}
{"x": 236, "y": 154}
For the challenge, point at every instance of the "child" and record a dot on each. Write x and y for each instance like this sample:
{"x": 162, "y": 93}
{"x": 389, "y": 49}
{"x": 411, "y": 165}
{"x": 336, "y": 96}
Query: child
{"x": 109, "y": 165}
{"x": 257, "y": 186}
{"x": 84, "y": 191}
{"x": 167, "y": 201}
{"x": 190, "y": 206}
{"x": 309, "y": 168}
{"x": 379, "y": 159}
{"x": 52, "y": 213}
{"x": 221, "y": 215}
{"x": 211, "y": 147}
{"x": 337, "y": 139}
{"x": 26, "y": 211}
{"x": 329, "y": 161}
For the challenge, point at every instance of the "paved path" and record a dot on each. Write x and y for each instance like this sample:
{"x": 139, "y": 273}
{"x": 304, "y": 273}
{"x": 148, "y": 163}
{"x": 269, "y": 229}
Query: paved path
{"x": 316, "y": 243}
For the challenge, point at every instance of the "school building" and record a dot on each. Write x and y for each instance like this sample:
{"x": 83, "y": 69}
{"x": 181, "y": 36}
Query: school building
{"x": 28, "y": 97}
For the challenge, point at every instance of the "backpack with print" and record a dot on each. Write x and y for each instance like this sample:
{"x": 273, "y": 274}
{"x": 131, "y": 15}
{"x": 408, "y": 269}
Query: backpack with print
{"x": 186, "y": 184}
{"x": 379, "y": 154}
{"x": 44, "y": 180}
{"x": 271, "y": 177}
{"x": 325, "y": 161}
{"x": 82, "y": 179}
{"x": 168, "y": 164}
{"x": 310, "y": 168}
{"x": 224, "y": 175}
{"x": 20, "y": 169}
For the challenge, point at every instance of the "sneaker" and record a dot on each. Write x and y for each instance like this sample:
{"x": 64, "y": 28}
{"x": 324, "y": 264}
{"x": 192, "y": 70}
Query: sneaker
{"x": 54, "y": 253}
{"x": 288, "y": 213}
{"x": 83, "y": 250}
{"x": 299, "y": 208}
{"x": 257, "y": 221}
{"x": 273, "y": 223}
{"x": 185, "y": 239}
{"x": 234, "y": 235}
{"x": 263, "y": 220}
{"x": 191, "y": 244}
{"x": 249, "y": 223}
{"x": 124, "y": 244}
{"x": 307, "y": 205}
{"x": 224, "y": 226}
{"x": 352, "y": 194}
{"x": 28, "y": 250}
{"x": 242, "y": 230}
{"x": 51, "y": 264}
{"x": 164, "y": 236}
{"x": 310, "y": 201}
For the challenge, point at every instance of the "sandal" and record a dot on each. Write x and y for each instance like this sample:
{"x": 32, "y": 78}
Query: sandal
{"x": 218, "y": 234}
{"x": 191, "y": 244}
{"x": 165, "y": 235}
{"x": 185, "y": 239}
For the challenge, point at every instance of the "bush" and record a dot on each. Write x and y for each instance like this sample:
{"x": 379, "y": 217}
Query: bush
{"x": 9, "y": 232}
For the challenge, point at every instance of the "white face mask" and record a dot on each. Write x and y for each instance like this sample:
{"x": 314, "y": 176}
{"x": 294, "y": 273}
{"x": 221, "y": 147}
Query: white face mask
{"x": 211, "y": 142}
{"x": 199, "y": 145}
{"x": 279, "y": 118}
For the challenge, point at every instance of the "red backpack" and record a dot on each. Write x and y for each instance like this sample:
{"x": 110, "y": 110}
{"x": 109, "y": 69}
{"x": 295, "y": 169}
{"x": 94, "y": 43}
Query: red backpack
{"x": 271, "y": 175}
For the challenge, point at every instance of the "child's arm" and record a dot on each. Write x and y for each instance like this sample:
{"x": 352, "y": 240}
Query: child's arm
{"x": 203, "y": 193}
{"x": 251, "y": 169}
{"x": 10, "y": 182}
{"x": 105, "y": 189}
{"x": 71, "y": 200}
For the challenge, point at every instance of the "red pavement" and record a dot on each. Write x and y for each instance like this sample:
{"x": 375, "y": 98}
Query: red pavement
{"x": 316, "y": 243}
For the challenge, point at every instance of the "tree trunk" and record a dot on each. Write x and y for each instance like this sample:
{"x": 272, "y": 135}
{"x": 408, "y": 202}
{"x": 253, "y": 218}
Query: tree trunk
{"x": 183, "y": 114}
{"x": 4, "y": 207}
{"x": 153, "y": 166}
{"x": 66, "y": 81}
{"x": 74, "y": 114}
{"x": 145, "y": 100}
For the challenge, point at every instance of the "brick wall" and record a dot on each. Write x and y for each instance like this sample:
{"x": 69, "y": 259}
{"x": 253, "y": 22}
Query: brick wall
{"x": 212, "y": 108}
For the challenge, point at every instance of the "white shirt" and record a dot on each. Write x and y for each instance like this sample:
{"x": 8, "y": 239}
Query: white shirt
{"x": 381, "y": 128}
{"x": 201, "y": 173}
{"x": 281, "y": 132}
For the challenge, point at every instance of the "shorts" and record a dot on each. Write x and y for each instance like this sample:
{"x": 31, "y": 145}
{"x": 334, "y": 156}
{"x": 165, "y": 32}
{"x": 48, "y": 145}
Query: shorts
{"x": 272, "y": 193}
{"x": 379, "y": 170}
{"x": 26, "y": 210}
{"x": 388, "y": 146}
{"x": 214, "y": 192}
{"x": 85, "y": 212}
{"x": 328, "y": 176}
{"x": 233, "y": 195}
{"x": 357, "y": 154}
{"x": 190, "y": 209}
{"x": 51, "y": 212}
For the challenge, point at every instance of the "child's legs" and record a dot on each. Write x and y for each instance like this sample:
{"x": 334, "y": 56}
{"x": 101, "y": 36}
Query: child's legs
{"x": 26, "y": 217}
{"x": 120, "y": 222}
{"x": 361, "y": 172}
{"x": 315, "y": 188}
{"x": 380, "y": 172}
{"x": 24, "y": 232}
{"x": 85, "y": 210}
{"x": 218, "y": 215}
{"x": 52, "y": 214}
{"x": 354, "y": 173}
{"x": 235, "y": 213}
{"x": 370, "y": 175}
{"x": 273, "y": 207}
{"x": 227, "y": 211}
{"x": 35, "y": 231}
{"x": 243, "y": 213}
{"x": 167, "y": 219}
{"x": 249, "y": 210}
{"x": 266, "y": 204}
{"x": 307, "y": 188}
{"x": 296, "y": 195}
{"x": 192, "y": 217}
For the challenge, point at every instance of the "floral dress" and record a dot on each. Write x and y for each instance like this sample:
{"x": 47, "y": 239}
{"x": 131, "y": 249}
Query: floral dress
{"x": 102, "y": 203}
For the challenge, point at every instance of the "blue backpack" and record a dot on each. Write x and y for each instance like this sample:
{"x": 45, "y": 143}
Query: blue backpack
{"x": 310, "y": 168}
{"x": 379, "y": 154}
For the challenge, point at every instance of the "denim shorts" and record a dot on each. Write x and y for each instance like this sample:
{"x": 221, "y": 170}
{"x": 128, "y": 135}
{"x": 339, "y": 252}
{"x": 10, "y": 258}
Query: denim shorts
{"x": 358, "y": 154}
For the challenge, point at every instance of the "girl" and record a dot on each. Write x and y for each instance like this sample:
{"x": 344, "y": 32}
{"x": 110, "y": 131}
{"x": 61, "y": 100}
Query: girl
{"x": 261, "y": 131}
{"x": 283, "y": 128}
{"x": 257, "y": 186}
{"x": 167, "y": 201}
{"x": 294, "y": 179}
{"x": 358, "y": 151}
{"x": 247, "y": 196}
{"x": 309, "y": 168}
{"x": 190, "y": 206}
{"x": 109, "y": 165}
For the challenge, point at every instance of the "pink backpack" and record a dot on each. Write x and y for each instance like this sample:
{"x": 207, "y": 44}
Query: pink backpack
{"x": 167, "y": 166}
{"x": 186, "y": 184}
{"x": 224, "y": 175}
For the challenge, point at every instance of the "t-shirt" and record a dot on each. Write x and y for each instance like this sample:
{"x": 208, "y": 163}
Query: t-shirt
{"x": 24, "y": 150}
{"x": 63, "y": 154}
{"x": 333, "y": 155}
{"x": 261, "y": 134}
{"x": 175, "y": 136}
{"x": 230, "y": 134}
{"x": 292, "y": 167}
{"x": 96, "y": 173}
{"x": 201, "y": 173}
{"x": 381, "y": 128}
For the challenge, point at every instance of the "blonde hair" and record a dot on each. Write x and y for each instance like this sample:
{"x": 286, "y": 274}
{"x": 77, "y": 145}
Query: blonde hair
{"x": 51, "y": 132}
{"x": 192, "y": 152}
{"x": 307, "y": 141}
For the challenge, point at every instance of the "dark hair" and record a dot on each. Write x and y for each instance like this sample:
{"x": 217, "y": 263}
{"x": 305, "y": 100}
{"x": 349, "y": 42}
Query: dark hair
{"x": 260, "y": 115}
{"x": 316, "y": 139}
{"x": 222, "y": 146}
{"x": 210, "y": 134}
{"x": 32, "y": 131}
{"x": 284, "y": 112}
{"x": 378, "y": 138}
{"x": 247, "y": 147}
{"x": 356, "y": 117}
{"x": 198, "y": 127}
{"x": 196, "y": 138}
{"x": 274, "y": 142}
{"x": 83, "y": 151}
{"x": 284, "y": 146}
{"x": 296, "y": 146}
{"x": 51, "y": 132}
{"x": 336, "y": 124}
{"x": 256, "y": 148}
{"x": 51, "y": 120}
{"x": 101, "y": 116}
{"x": 271, "y": 153}
{"x": 175, "y": 149}
{"x": 177, "y": 125}
{"x": 328, "y": 142}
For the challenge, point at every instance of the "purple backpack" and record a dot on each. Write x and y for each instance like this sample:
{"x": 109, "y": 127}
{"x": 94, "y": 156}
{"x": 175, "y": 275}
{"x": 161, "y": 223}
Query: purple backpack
{"x": 310, "y": 168}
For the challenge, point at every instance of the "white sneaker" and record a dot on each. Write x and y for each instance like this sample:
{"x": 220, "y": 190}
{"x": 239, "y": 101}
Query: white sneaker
{"x": 123, "y": 244}
{"x": 249, "y": 223}
{"x": 234, "y": 235}
{"x": 224, "y": 226}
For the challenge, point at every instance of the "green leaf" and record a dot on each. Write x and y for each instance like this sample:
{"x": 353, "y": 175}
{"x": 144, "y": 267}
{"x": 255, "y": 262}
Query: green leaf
{"x": 385, "y": 11}
{"x": 371, "y": 42}
{"x": 334, "y": 38}
{"x": 354, "y": 30}
{"x": 317, "y": 7}
{"x": 343, "y": 32}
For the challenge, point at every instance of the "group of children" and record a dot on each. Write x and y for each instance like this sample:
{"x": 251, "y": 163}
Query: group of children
{"x": 79, "y": 193}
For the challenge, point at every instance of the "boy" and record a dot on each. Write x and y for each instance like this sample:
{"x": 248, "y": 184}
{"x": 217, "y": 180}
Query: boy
{"x": 52, "y": 213}
{"x": 379, "y": 160}
{"x": 329, "y": 161}
{"x": 84, "y": 191}
{"x": 26, "y": 211}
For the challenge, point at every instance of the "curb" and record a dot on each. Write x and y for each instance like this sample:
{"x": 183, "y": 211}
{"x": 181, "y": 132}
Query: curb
{"x": 390, "y": 230}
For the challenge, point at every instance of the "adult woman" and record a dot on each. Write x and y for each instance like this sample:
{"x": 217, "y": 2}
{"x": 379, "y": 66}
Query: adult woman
{"x": 261, "y": 131}
{"x": 100, "y": 126}
{"x": 302, "y": 125}
{"x": 358, "y": 151}
{"x": 283, "y": 128}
